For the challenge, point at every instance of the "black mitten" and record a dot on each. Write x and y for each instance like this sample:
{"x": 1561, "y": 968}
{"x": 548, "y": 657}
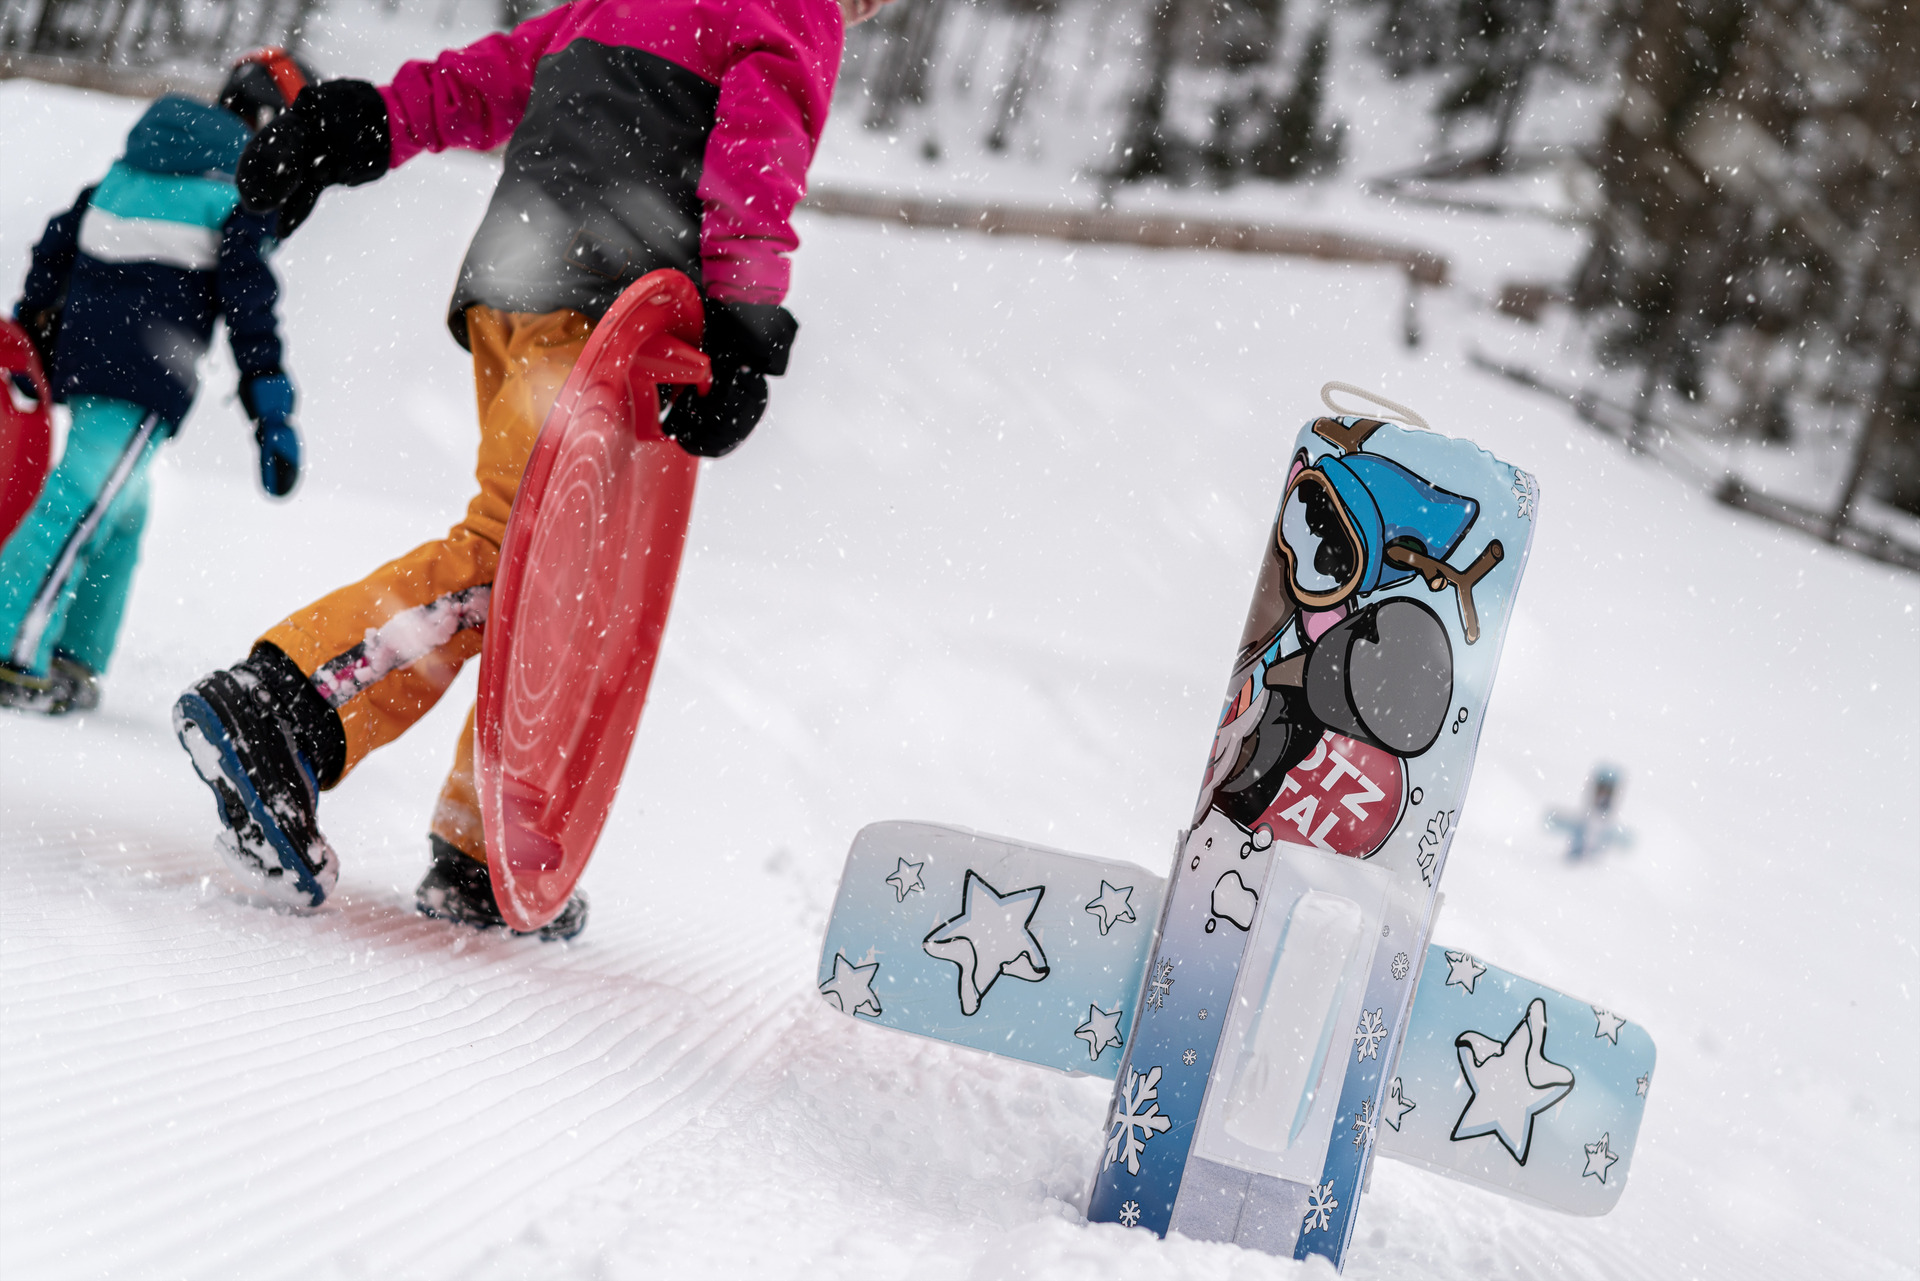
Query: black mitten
{"x": 335, "y": 133}
{"x": 747, "y": 342}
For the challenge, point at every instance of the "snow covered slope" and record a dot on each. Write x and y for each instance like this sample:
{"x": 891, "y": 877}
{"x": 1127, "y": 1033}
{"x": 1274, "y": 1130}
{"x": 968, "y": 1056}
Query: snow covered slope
{"x": 984, "y": 564}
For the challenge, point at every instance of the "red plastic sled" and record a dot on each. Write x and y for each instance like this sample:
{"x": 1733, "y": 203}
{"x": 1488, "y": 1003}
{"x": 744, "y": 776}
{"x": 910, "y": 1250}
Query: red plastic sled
{"x": 26, "y": 429}
{"x": 586, "y": 574}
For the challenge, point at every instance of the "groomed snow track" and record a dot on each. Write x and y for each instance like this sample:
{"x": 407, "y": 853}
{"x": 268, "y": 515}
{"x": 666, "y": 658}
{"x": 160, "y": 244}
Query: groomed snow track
{"x": 209, "y": 1088}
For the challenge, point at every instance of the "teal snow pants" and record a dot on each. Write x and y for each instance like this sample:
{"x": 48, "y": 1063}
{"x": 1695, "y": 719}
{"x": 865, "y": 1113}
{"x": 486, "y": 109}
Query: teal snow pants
{"x": 66, "y": 572}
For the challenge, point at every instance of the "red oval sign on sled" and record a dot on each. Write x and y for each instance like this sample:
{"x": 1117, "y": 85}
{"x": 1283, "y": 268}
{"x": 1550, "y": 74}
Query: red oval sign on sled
{"x": 580, "y": 600}
{"x": 1344, "y": 797}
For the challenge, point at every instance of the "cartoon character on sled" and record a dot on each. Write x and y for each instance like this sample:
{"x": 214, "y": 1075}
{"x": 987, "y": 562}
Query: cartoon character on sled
{"x": 1338, "y": 677}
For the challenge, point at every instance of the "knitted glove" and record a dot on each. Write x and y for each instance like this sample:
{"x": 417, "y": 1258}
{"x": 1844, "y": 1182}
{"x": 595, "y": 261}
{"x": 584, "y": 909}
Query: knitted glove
{"x": 335, "y": 133}
{"x": 269, "y": 401}
{"x": 746, "y": 342}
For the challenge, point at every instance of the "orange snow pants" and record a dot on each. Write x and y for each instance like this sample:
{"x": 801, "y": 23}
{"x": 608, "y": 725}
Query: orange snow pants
{"x": 383, "y": 650}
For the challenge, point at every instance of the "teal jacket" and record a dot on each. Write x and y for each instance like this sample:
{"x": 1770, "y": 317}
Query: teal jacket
{"x": 147, "y": 259}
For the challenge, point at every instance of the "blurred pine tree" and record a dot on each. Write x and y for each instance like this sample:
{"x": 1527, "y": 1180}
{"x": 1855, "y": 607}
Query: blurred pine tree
{"x": 1760, "y": 239}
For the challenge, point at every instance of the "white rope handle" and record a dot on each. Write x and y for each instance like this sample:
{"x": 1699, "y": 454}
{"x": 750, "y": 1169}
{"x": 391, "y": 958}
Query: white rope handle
{"x": 1400, "y": 412}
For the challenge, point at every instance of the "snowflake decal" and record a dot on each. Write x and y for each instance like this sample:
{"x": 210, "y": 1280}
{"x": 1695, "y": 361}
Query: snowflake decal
{"x": 1161, "y": 985}
{"x": 1130, "y": 1214}
{"x": 1320, "y": 1208}
{"x": 1141, "y": 1114}
{"x": 1401, "y": 965}
{"x": 1364, "y": 1124}
{"x": 1526, "y": 492}
{"x": 1430, "y": 842}
{"x": 1191, "y": 1057}
{"x": 1367, "y": 1037}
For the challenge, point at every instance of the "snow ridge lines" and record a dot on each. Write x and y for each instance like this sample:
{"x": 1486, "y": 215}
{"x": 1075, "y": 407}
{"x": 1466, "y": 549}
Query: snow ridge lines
{"x": 205, "y": 1073}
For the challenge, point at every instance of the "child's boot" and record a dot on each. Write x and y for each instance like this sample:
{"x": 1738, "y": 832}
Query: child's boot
{"x": 22, "y": 691}
{"x": 68, "y": 686}
{"x": 458, "y": 888}
{"x": 254, "y": 732}
{"x": 80, "y": 684}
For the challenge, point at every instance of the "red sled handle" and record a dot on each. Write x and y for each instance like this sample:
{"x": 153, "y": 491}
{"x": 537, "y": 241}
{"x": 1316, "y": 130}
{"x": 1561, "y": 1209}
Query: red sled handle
{"x": 665, "y": 361}
{"x": 650, "y": 336}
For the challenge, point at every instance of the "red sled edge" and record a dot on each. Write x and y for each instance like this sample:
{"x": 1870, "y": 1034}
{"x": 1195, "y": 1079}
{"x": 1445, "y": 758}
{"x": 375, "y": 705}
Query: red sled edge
{"x": 549, "y": 764}
{"x": 26, "y": 435}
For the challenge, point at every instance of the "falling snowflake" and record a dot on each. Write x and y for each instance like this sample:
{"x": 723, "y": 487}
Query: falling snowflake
{"x": 1190, "y": 1057}
{"x": 1161, "y": 985}
{"x": 1401, "y": 965}
{"x": 1124, "y": 1144}
{"x": 1367, "y": 1037}
{"x": 1320, "y": 1208}
{"x": 1130, "y": 1214}
{"x": 1364, "y": 1123}
{"x": 1526, "y": 490}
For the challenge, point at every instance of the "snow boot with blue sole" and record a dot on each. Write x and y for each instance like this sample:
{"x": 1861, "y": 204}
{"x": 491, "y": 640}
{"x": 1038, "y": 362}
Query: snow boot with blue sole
{"x": 266, "y": 792}
{"x": 460, "y": 889}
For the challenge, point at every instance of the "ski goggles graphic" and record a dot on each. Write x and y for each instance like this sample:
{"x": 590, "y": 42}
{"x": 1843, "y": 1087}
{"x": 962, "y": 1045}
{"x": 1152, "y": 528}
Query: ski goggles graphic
{"x": 1325, "y": 554}
{"x": 1350, "y": 525}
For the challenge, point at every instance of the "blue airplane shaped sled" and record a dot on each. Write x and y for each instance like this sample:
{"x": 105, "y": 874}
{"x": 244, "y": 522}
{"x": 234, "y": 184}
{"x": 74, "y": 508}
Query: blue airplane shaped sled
{"x": 1274, "y": 1012}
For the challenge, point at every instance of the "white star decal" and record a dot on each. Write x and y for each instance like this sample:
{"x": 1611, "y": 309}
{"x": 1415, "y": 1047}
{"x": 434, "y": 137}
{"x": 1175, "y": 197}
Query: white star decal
{"x": 1398, "y": 1105}
{"x": 1640, "y": 1086}
{"x": 993, "y": 935}
{"x": 1463, "y": 971}
{"x": 1512, "y": 1081}
{"x": 1101, "y": 1029}
{"x": 851, "y": 987}
{"x": 1114, "y": 906}
{"x": 905, "y": 880}
{"x": 1608, "y": 1025}
{"x": 1600, "y": 1158}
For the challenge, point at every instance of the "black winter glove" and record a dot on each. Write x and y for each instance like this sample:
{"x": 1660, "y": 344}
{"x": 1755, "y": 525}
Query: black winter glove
{"x": 747, "y": 342}
{"x": 335, "y": 133}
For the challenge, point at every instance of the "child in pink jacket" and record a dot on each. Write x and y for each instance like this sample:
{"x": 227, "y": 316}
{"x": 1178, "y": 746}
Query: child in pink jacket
{"x": 640, "y": 134}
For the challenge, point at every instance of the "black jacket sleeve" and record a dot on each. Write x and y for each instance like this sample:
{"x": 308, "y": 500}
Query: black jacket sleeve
{"x": 53, "y": 259}
{"x": 248, "y": 293}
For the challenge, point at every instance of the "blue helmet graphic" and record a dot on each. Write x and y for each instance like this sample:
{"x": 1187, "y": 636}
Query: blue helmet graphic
{"x": 1385, "y": 503}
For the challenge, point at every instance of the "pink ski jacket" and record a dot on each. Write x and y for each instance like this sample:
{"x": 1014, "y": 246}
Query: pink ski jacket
{"x": 640, "y": 134}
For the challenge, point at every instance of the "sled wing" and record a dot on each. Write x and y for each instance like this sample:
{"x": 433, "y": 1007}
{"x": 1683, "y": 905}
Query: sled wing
{"x": 1571, "y": 1103}
{"x": 1032, "y": 953}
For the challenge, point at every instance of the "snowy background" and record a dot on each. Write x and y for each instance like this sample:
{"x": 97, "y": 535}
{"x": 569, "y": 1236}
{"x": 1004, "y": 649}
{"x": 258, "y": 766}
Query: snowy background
{"x": 984, "y": 563}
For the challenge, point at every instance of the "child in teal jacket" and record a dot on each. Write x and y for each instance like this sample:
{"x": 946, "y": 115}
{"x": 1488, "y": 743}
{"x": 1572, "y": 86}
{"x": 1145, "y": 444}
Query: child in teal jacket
{"x": 121, "y": 300}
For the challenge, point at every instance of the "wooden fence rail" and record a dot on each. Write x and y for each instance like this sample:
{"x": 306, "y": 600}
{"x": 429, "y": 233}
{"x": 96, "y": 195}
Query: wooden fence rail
{"x": 1112, "y": 227}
